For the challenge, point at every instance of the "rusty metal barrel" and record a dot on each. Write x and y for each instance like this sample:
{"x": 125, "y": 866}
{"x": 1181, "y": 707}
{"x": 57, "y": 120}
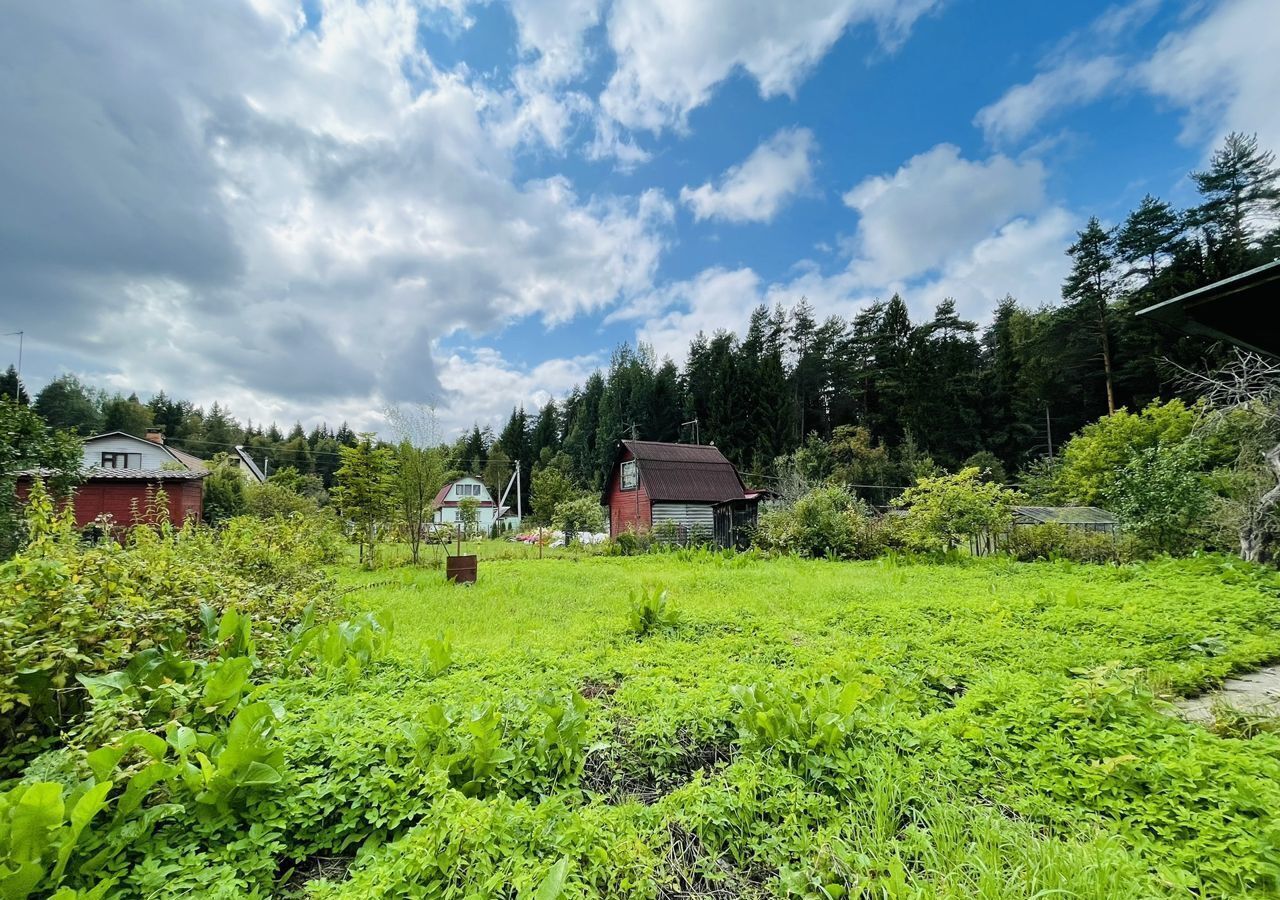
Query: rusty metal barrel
{"x": 460, "y": 569}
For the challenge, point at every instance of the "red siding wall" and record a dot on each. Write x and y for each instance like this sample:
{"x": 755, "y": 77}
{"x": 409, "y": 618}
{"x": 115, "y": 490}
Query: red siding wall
{"x": 628, "y": 510}
{"x": 117, "y": 499}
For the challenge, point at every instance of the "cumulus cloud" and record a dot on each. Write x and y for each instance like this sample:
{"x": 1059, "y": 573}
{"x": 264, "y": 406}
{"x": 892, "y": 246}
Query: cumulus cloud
{"x": 1024, "y": 106}
{"x": 1223, "y": 70}
{"x": 671, "y": 54}
{"x": 939, "y": 226}
{"x": 224, "y": 202}
{"x": 758, "y": 187}
{"x": 483, "y": 386}
{"x": 716, "y": 298}
{"x": 1219, "y": 65}
{"x": 935, "y": 206}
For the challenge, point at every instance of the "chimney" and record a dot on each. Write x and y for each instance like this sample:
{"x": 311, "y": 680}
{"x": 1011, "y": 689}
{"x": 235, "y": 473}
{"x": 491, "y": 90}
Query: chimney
{"x": 155, "y": 435}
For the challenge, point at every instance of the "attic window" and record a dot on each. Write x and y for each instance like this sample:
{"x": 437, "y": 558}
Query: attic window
{"x": 119, "y": 460}
{"x": 630, "y": 475}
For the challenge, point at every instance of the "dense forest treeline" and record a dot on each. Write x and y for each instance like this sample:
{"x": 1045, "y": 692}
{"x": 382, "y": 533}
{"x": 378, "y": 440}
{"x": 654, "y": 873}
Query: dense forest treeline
{"x": 939, "y": 388}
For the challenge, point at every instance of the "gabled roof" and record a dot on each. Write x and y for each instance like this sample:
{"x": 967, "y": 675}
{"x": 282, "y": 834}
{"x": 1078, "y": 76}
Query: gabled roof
{"x": 444, "y": 492}
{"x": 249, "y": 464}
{"x": 683, "y": 473}
{"x": 187, "y": 459}
{"x": 1240, "y": 309}
{"x": 1065, "y": 515}
{"x": 193, "y": 463}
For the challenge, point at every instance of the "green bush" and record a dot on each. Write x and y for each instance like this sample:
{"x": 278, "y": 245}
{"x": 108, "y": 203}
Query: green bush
{"x": 825, "y": 522}
{"x": 68, "y": 609}
{"x": 1030, "y": 543}
{"x": 270, "y": 499}
{"x": 945, "y": 510}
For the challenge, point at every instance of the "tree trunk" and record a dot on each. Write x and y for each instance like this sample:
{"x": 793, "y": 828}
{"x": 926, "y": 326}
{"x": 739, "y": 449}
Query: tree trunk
{"x": 1106, "y": 360}
{"x": 1253, "y": 531}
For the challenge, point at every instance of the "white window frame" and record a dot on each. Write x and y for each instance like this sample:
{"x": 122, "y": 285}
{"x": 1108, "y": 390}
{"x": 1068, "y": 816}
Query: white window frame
{"x": 629, "y": 478}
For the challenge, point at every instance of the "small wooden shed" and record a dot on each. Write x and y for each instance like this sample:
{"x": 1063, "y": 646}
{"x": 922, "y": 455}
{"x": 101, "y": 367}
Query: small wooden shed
{"x": 678, "y": 488}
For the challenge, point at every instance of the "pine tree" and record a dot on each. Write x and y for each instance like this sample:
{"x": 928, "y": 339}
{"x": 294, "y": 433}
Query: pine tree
{"x": 1091, "y": 286}
{"x": 11, "y": 387}
{"x": 1241, "y": 191}
{"x": 1148, "y": 237}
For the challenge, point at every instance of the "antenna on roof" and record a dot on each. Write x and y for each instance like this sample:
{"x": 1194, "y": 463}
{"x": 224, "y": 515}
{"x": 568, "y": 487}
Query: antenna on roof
{"x": 694, "y": 423}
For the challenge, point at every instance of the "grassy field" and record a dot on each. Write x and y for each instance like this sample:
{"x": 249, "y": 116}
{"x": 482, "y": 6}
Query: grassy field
{"x": 807, "y": 729}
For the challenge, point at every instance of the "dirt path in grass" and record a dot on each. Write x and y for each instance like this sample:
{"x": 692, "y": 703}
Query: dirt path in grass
{"x": 1257, "y": 692}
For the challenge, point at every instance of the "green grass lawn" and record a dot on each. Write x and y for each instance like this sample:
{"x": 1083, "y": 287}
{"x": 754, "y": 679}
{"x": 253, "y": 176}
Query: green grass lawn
{"x": 807, "y": 729}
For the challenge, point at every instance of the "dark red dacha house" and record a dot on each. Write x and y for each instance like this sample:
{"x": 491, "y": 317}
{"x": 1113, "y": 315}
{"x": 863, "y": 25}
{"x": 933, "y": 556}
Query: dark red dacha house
{"x": 689, "y": 490}
{"x": 122, "y": 475}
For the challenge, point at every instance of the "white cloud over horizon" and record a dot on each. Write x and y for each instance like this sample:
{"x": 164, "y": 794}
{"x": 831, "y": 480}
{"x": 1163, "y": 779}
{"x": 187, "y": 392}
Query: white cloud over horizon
{"x": 297, "y": 214}
{"x": 758, "y": 187}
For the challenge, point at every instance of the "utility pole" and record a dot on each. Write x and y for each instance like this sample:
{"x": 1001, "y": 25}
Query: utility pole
{"x": 519, "y": 504}
{"x": 1048, "y": 431}
{"x": 694, "y": 423}
{"x": 20, "y": 336}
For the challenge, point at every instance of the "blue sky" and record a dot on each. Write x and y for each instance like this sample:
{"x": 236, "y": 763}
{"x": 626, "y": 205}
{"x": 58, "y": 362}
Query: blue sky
{"x": 315, "y": 211}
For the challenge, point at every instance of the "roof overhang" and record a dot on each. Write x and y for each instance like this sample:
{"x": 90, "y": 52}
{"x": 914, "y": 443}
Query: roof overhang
{"x": 1241, "y": 310}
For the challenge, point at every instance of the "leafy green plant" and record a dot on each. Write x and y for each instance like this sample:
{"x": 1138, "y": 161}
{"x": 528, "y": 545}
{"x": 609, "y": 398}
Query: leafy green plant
{"x": 438, "y": 655}
{"x": 651, "y": 609}
{"x": 39, "y": 830}
{"x": 348, "y": 646}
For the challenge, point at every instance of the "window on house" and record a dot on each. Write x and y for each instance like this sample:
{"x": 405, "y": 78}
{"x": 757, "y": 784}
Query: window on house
{"x": 113, "y": 459}
{"x": 630, "y": 475}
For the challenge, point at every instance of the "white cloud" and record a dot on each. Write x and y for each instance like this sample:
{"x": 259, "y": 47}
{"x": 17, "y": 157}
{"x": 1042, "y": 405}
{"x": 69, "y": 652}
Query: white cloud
{"x": 1026, "y": 258}
{"x": 1070, "y": 83}
{"x": 934, "y": 207}
{"x": 939, "y": 226}
{"x": 1224, "y": 70}
{"x": 671, "y": 54}
{"x": 757, "y": 188}
{"x": 485, "y": 386}
{"x": 715, "y": 298}
{"x": 228, "y": 205}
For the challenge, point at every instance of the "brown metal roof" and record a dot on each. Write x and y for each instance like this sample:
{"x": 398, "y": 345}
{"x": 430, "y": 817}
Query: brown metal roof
{"x": 689, "y": 473}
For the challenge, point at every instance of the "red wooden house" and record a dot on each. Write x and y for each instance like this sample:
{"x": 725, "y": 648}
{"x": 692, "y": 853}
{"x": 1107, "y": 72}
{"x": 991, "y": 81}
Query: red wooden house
{"x": 689, "y": 487}
{"x": 122, "y": 473}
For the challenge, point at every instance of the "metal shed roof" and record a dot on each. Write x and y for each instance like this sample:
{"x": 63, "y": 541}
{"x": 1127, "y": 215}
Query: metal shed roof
{"x": 1065, "y": 515}
{"x": 1240, "y": 309}
{"x": 689, "y": 473}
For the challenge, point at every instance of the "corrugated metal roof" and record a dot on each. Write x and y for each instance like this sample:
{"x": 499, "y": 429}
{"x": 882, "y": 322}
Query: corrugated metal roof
{"x": 1066, "y": 515}
{"x": 94, "y": 473}
{"x": 695, "y": 473}
{"x": 190, "y": 460}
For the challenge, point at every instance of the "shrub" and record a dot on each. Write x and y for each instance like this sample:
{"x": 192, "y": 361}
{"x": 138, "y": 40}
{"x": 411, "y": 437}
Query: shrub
{"x": 580, "y": 513}
{"x": 67, "y": 609}
{"x": 269, "y": 499}
{"x": 1030, "y": 543}
{"x": 827, "y": 521}
{"x": 1163, "y": 498}
{"x": 631, "y": 542}
{"x": 946, "y": 509}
